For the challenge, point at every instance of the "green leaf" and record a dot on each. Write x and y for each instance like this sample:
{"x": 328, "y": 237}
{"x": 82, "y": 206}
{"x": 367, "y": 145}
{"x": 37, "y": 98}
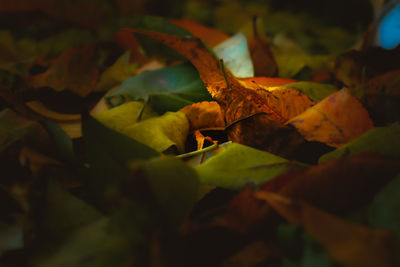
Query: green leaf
{"x": 383, "y": 212}
{"x": 174, "y": 185}
{"x": 62, "y": 141}
{"x": 110, "y": 152}
{"x": 236, "y": 55}
{"x": 161, "y": 133}
{"x": 383, "y": 140}
{"x": 66, "y": 213}
{"x": 120, "y": 117}
{"x": 315, "y": 91}
{"x": 181, "y": 84}
{"x": 238, "y": 166}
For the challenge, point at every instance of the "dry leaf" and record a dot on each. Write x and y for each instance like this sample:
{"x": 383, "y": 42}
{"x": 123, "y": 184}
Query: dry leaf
{"x": 75, "y": 70}
{"x": 347, "y": 243}
{"x": 335, "y": 121}
{"x": 252, "y": 115}
{"x": 204, "y": 115}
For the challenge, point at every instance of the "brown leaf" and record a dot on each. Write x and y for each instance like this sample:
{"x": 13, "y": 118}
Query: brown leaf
{"x": 347, "y": 243}
{"x": 257, "y": 82}
{"x": 75, "y": 70}
{"x": 251, "y": 115}
{"x": 353, "y": 68}
{"x": 339, "y": 186}
{"x": 210, "y": 36}
{"x": 335, "y": 121}
{"x": 261, "y": 54}
{"x": 382, "y": 97}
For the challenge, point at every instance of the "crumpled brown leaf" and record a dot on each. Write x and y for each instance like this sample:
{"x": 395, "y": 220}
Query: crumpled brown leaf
{"x": 204, "y": 115}
{"x": 251, "y": 115}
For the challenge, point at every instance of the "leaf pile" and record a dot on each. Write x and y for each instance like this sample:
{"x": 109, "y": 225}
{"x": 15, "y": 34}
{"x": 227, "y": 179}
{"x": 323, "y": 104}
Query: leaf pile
{"x": 145, "y": 141}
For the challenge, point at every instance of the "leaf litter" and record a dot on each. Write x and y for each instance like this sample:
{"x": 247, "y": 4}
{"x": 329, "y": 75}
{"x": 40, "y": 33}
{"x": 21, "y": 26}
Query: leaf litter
{"x": 309, "y": 175}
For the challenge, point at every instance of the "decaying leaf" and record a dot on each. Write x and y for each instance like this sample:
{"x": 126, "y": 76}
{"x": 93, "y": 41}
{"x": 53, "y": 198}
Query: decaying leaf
{"x": 75, "y": 70}
{"x": 347, "y": 243}
{"x": 326, "y": 123}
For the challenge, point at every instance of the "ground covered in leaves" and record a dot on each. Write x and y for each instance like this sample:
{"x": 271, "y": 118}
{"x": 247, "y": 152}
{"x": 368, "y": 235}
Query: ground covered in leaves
{"x": 227, "y": 133}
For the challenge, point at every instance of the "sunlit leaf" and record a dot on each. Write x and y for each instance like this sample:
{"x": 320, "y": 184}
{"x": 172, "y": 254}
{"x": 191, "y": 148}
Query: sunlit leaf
{"x": 238, "y": 166}
{"x": 325, "y": 122}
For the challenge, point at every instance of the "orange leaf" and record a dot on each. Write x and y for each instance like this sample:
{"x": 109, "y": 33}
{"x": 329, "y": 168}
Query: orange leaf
{"x": 75, "y": 70}
{"x": 210, "y": 36}
{"x": 256, "y": 82}
{"x": 204, "y": 115}
{"x": 335, "y": 121}
{"x": 347, "y": 243}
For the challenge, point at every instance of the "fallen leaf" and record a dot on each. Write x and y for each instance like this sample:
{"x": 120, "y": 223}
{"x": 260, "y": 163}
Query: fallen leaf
{"x": 355, "y": 179}
{"x": 75, "y": 70}
{"x": 210, "y": 36}
{"x": 262, "y": 111}
{"x": 382, "y": 140}
{"x": 315, "y": 91}
{"x": 382, "y": 97}
{"x": 382, "y": 212}
{"x": 120, "y": 117}
{"x": 161, "y": 133}
{"x": 236, "y": 55}
{"x": 325, "y": 122}
{"x": 15, "y": 128}
{"x": 261, "y": 54}
{"x": 256, "y": 82}
{"x": 204, "y": 115}
{"x": 167, "y": 89}
{"x": 116, "y": 73}
{"x": 238, "y": 166}
{"x": 348, "y": 244}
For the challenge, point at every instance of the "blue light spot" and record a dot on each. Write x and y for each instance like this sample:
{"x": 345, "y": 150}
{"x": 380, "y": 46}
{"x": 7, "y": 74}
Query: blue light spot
{"x": 389, "y": 29}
